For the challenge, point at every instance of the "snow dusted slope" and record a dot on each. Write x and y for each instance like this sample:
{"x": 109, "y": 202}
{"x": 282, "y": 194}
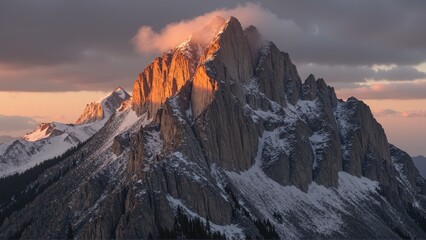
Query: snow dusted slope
{"x": 104, "y": 107}
{"x": 49, "y": 140}
{"x": 239, "y": 142}
{"x": 420, "y": 162}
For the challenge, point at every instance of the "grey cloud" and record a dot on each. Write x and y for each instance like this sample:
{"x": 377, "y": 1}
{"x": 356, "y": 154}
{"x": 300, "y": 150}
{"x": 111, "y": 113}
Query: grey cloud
{"x": 62, "y": 38}
{"x": 10, "y": 124}
{"x": 101, "y": 74}
{"x": 53, "y": 32}
{"x": 349, "y": 75}
{"x": 400, "y": 73}
{"x": 394, "y": 113}
{"x": 385, "y": 112}
{"x": 407, "y": 90}
{"x": 355, "y": 32}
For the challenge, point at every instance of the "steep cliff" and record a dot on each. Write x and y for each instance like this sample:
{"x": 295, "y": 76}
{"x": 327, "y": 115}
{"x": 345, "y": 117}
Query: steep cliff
{"x": 223, "y": 131}
{"x": 104, "y": 107}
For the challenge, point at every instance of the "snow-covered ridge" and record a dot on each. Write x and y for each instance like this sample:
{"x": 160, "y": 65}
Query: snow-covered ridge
{"x": 232, "y": 231}
{"x": 49, "y": 140}
{"x": 323, "y": 208}
{"x": 103, "y": 107}
{"x": 196, "y": 45}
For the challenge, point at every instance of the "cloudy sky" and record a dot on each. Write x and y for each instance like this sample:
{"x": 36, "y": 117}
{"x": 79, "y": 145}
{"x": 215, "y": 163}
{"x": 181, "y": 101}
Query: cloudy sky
{"x": 56, "y": 56}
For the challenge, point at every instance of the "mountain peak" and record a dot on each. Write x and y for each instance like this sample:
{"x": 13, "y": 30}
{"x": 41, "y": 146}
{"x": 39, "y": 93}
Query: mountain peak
{"x": 219, "y": 38}
{"x": 232, "y": 131}
{"x": 104, "y": 106}
{"x": 202, "y": 38}
{"x": 43, "y": 130}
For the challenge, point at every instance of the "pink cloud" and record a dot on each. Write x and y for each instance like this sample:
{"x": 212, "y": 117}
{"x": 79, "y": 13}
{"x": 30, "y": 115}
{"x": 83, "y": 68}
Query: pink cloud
{"x": 421, "y": 113}
{"x": 149, "y": 41}
{"x": 394, "y": 113}
{"x": 398, "y": 90}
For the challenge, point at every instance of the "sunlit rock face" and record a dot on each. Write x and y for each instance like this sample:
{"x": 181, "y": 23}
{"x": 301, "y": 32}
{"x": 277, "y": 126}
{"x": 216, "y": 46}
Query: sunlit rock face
{"x": 104, "y": 107}
{"x": 168, "y": 73}
{"x": 224, "y": 130}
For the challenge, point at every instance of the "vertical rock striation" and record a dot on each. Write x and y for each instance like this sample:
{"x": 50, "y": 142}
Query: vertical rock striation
{"x": 227, "y": 132}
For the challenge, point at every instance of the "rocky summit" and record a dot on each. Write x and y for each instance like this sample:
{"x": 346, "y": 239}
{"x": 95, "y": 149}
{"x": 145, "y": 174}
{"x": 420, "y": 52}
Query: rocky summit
{"x": 222, "y": 139}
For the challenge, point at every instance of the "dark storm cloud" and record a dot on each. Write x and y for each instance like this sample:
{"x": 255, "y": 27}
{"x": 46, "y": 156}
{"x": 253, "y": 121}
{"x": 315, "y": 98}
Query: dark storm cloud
{"x": 86, "y": 45}
{"x": 53, "y": 32}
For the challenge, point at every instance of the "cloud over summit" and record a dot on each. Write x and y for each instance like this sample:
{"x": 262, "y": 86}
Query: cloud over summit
{"x": 337, "y": 40}
{"x": 149, "y": 41}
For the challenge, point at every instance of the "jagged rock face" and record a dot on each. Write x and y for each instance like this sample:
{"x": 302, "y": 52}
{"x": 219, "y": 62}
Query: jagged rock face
{"x": 47, "y": 130}
{"x": 409, "y": 174}
{"x": 161, "y": 79}
{"x": 228, "y": 132}
{"x": 120, "y": 143}
{"x": 361, "y": 137}
{"x": 222, "y": 104}
{"x": 96, "y": 111}
{"x": 168, "y": 73}
{"x": 50, "y": 140}
{"x": 92, "y": 113}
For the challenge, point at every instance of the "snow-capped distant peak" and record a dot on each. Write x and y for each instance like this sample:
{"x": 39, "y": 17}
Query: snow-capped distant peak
{"x": 118, "y": 92}
{"x": 103, "y": 107}
{"x": 200, "y": 39}
{"x": 43, "y": 130}
{"x": 121, "y": 92}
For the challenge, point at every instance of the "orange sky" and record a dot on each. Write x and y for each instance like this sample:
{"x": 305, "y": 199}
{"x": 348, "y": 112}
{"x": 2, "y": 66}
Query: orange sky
{"x": 404, "y": 126}
{"x": 63, "y": 107}
{"x": 403, "y": 129}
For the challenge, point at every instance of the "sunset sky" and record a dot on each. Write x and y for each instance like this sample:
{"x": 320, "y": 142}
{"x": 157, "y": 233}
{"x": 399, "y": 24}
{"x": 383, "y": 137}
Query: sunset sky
{"x": 57, "y": 56}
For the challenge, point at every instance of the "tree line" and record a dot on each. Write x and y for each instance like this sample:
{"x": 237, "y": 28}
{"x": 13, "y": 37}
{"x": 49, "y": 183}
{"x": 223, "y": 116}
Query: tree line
{"x": 15, "y": 190}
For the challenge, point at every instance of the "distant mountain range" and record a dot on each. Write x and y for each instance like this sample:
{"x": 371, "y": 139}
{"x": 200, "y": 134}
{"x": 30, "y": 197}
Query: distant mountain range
{"x": 6, "y": 138}
{"x": 220, "y": 139}
{"x": 420, "y": 162}
{"x": 50, "y": 140}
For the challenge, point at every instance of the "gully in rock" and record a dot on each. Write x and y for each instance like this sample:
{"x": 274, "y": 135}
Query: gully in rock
{"x": 220, "y": 139}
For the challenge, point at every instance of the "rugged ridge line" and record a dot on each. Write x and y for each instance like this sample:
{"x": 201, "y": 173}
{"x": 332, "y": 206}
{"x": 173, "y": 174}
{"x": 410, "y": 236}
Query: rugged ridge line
{"x": 224, "y": 131}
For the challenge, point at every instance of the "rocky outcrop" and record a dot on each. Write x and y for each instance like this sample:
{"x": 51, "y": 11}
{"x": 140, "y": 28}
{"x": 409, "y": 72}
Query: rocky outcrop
{"x": 120, "y": 143}
{"x": 104, "y": 107}
{"x": 228, "y": 134}
{"x": 161, "y": 79}
{"x": 168, "y": 73}
{"x": 407, "y": 171}
{"x": 361, "y": 136}
{"x": 43, "y": 130}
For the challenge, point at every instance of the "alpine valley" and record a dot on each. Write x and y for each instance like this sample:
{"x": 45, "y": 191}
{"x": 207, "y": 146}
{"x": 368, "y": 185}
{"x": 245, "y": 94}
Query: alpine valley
{"x": 220, "y": 139}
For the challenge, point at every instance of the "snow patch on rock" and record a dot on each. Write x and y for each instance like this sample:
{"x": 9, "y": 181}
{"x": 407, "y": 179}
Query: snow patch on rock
{"x": 232, "y": 231}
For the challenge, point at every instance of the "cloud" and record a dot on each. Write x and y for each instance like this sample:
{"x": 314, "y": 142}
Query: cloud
{"x": 100, "y": 74}
{"x": 421, "y": 113}
{"x": 398, "y": 90}
{"x": 148, "y": 41}
{"x": 10, "y": 125}
{"x": 398, "y": 73}
{"x": 315, "y": 38}
{"x": 394, "y": 113}
{"x": 58, "y": 51}
{"x": 358, "y": 74}
{"x": 385, "y": 112}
